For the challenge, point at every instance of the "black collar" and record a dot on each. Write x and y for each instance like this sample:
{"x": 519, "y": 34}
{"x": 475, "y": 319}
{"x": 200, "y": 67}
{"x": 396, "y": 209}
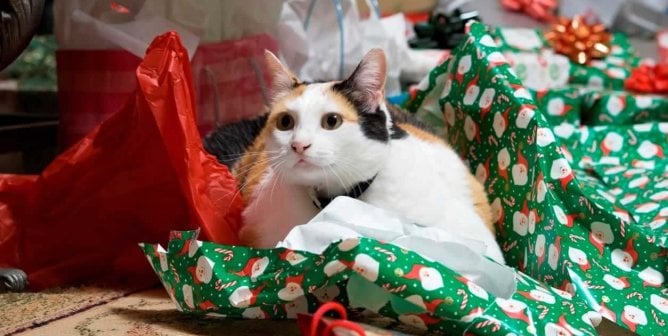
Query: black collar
{"x": 355, "y": 192}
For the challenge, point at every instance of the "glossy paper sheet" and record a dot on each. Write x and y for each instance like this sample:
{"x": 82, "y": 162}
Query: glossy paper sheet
{"x": 571, "y": 210}
{"x": 242, "y": 282}
{"x": 140, "y": 174}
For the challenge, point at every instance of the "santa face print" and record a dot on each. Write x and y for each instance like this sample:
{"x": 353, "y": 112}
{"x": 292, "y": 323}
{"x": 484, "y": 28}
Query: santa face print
{"x": 622, "y": 260}
{"x": 487, "y": 98}
{"x": 612, "y": 142}
{"x": 522, "y": 38}
{"x": 540, "y": 245}
{"x": 204, "y": 269}
{"x": 520, "y": 223}
{"x": 544, "y": 137}
{"x": 564, "y": 130}
{"x": 560, "y": 169}
{"x": 259, "y": 267}
{"x": 555, "y": 107}
{"x": 651, "y": 277}
{"x": 471, "y": 94}
{"x": 552, "y": 329}
{"x": 648, "y": 150}
{"x": 187, "y": 291}
{"x": 430, "y": 279}
{"x": 292, "y": 257}
{"x": 334, "y": 267}
{"x": 327, "y": 294}
{"x": 577, "y": 256}
{"x": 499, "y": 124}
{"x": 510, "y": 305}
{"x": 633, "y": 316}
{"x": 298, "y": 306}
{"x": 524, "y": 116}
{"x": 241, "y": 297}
{"x": 541, "y": 190}
{"x": 553, "y": 256}
{"x": 542, "y": 296}
{"x": 659, "y": 302}
{"x": 487, "y": 41}
{"x": 602, "y": 232}
{"x": 615, "y": 105}
{"x": 470, "y": 128}
{"x": 503, "y": 158}
{"x": 366, "y": 266}
{"x": 348, "y": 244}
{"x": 194, "y": 247}
{"x": 477, "y": 291}
{"x": 447, "y": 87}
{"x": 254, "y": 313}
{"x": 520, "y": 174}
{"x": 449, "y": 112}
{"x": 464, "y": 65}
{"x": 290, "y": 292}
{"x": 481, "y": 173}
{"x": 163, "y": 261}
{"x": 614, "y": 282}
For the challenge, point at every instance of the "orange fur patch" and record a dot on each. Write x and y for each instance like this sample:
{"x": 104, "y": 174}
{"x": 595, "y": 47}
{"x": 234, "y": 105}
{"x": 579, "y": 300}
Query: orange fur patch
{"x": 252, "y": 166}
{"x": 346, "y": 109}
{"x": 481, "y": 203}
{"x": 420, "y": 133}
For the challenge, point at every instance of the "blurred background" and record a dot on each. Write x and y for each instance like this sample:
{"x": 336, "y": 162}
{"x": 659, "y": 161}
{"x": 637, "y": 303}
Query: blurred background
{"x": 76, "y": 58}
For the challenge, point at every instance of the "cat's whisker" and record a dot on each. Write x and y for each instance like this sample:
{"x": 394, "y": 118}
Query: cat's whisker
{"x": 278, "y": 175}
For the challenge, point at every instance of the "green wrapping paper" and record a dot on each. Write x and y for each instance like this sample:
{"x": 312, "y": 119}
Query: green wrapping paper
{"x": 242, "y": 282}
{"x": 623, "y": 108}
{"x": 582, "y": 209}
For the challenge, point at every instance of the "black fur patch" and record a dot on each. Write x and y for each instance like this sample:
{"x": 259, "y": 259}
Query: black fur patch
{"x": 229, "y": 142}
{"x": 373, "y": 123}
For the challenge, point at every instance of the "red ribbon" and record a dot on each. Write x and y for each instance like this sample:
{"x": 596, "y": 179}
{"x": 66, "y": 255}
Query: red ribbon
{"x": 649, "y": 79}
{"x": 541, "y": 10}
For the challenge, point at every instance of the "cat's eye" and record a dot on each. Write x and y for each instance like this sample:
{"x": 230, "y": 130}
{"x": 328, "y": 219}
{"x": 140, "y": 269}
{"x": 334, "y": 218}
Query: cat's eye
{"x": 285, "y": 122}
{"x": 331, "y": 121}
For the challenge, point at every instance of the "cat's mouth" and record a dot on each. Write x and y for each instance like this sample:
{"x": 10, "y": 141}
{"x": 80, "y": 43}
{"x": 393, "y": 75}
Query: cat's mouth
{"x": 303, "y": 163}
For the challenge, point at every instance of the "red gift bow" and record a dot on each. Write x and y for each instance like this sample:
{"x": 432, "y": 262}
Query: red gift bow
{"x": 649, "y": 79}
{"x": 311, "y": 326}
{"x": 541, "y": 10}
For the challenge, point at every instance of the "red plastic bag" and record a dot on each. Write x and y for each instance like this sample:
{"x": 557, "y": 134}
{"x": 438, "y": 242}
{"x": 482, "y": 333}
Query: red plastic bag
{"x": 140, "y": 174}
{"x": 228, "y": 78}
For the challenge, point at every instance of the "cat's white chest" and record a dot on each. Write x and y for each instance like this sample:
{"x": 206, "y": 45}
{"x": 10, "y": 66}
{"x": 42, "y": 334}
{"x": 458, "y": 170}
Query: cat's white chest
{"x": 275, "y": 208}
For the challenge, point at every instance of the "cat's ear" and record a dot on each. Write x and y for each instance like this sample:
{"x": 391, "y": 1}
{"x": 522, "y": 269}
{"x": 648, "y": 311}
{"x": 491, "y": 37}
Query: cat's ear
{"x": 282, "y": 80}
{"x": 368, "y": 80}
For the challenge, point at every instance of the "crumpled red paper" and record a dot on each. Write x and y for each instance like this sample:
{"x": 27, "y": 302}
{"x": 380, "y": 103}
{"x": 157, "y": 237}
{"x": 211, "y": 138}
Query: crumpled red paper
{"x": 649, "y": 79}
{"x": 139, "y": 175}
{"x": 541, "y": 10}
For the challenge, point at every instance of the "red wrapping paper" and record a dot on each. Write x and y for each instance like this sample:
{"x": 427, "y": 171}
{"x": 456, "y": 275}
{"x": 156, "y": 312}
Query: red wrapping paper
{"x": 140, "y": 174}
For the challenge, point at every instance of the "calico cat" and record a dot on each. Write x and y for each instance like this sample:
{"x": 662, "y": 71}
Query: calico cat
{"x": 322, "y": 140}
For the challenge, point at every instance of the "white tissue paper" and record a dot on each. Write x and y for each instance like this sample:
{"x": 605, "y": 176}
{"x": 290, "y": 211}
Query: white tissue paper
{"x": 346, "y": 217}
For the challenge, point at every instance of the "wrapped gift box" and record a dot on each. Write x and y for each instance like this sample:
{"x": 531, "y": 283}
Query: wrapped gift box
{"x": 533, "y": 60}
{"x": 562, "y": 195}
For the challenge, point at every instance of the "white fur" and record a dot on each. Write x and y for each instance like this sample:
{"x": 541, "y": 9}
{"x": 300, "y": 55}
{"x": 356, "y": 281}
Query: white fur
{"x": 423, "y": 181}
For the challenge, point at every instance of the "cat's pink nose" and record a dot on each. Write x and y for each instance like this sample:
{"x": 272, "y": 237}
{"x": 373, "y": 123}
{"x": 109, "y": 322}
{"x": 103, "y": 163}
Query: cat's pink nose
{"x": 300, "y": 147}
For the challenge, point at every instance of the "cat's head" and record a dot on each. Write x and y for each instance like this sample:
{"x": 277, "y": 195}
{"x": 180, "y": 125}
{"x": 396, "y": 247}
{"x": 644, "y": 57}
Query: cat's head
{"x": 329, "y": 135}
